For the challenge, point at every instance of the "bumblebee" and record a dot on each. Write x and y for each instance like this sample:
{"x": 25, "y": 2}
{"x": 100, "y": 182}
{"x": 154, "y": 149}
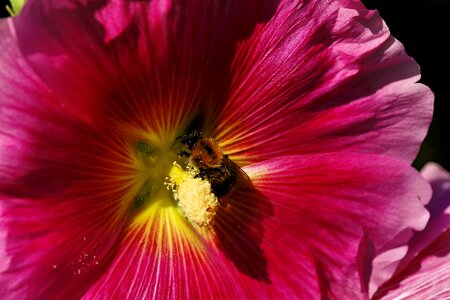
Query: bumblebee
{"x": 213, "y": 165}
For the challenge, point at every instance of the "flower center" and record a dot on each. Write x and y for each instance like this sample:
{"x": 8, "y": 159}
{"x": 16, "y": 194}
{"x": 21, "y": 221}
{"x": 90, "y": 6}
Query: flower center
{"x": 191, "y": 174}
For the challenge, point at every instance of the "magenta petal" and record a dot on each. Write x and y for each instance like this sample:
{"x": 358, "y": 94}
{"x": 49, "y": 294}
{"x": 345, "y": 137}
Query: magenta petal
{"x": 425, "y": 277}
{"x": 64, "y": 192}
{"x": 62, "y": 213}
{"x": 164, "y": 258}
{"x": 396, "y": 262}
{"x": 439, "y": 205}
{"x": 134, "y": 61}
{"x": 62, "y": 216}
{"x": 425, "y": 270}
{"x": 311, "y": 238}
{"x": 4, "y": 260}
{"x": 329, "y": 211}
{"x": 329, "y": 74}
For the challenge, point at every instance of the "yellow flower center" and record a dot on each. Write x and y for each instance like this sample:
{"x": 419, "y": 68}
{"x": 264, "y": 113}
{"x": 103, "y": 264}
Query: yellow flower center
{"x": 162, "y": 181}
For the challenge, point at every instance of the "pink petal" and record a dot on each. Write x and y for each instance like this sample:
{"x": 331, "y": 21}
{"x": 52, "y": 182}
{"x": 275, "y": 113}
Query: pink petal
{"x": 331, "y": 209}
{"x": 130, "y": 62}
{"x": 66, "y": 189}
{"x": 329, "y": 74}
{"x": 4, "y": 261}
{"x": 426, "y": 277}
{"x": 66, "y": 198}
{"x": 425, "y": 270}
{"x": 304, "y": 230}
{"x": 439, "y": 205}
{"x": 64, "y": 216}
{"x": 164, "y": 258}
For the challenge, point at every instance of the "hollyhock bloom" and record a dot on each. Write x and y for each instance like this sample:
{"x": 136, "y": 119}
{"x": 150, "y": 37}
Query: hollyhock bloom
{"x": 424, "y": 273}
{"x": 114, "y": 112}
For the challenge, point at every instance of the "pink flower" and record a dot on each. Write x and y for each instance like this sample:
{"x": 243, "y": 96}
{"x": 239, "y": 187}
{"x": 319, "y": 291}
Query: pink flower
{"x": 424, "y": 273}
{"x": 102, "y": 197}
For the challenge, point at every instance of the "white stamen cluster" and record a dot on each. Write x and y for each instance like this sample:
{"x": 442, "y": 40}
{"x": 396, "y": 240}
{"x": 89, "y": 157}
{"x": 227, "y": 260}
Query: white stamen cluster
{"x": 194, "y": 195}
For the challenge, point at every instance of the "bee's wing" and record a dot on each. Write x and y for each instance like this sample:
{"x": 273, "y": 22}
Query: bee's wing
{"x": 241, "y": 175}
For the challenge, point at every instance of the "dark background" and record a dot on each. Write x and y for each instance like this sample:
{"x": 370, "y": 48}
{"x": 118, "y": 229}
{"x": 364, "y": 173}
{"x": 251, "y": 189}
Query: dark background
{"x": 3, "y": 4}
{"x": 423, "y": 26}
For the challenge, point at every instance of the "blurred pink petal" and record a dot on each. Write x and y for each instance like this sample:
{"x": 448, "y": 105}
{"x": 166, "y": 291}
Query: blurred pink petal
{"x": 424, "y": 273}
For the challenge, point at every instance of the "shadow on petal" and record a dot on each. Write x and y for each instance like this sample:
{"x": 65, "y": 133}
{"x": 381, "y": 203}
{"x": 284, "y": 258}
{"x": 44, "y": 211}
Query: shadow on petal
{"x": 239, "y": 230}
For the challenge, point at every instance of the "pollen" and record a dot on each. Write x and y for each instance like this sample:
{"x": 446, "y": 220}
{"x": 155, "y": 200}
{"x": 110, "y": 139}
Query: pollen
{"x": 194, "y": 196}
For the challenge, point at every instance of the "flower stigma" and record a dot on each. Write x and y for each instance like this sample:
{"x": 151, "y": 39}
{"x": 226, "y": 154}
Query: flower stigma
{"x": 193, "y": 194}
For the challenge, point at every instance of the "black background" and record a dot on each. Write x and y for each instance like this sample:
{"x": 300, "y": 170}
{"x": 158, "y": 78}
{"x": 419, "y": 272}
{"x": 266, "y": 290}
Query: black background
{"x": 423, "y": 26}
{"x": 3, "y": 12}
